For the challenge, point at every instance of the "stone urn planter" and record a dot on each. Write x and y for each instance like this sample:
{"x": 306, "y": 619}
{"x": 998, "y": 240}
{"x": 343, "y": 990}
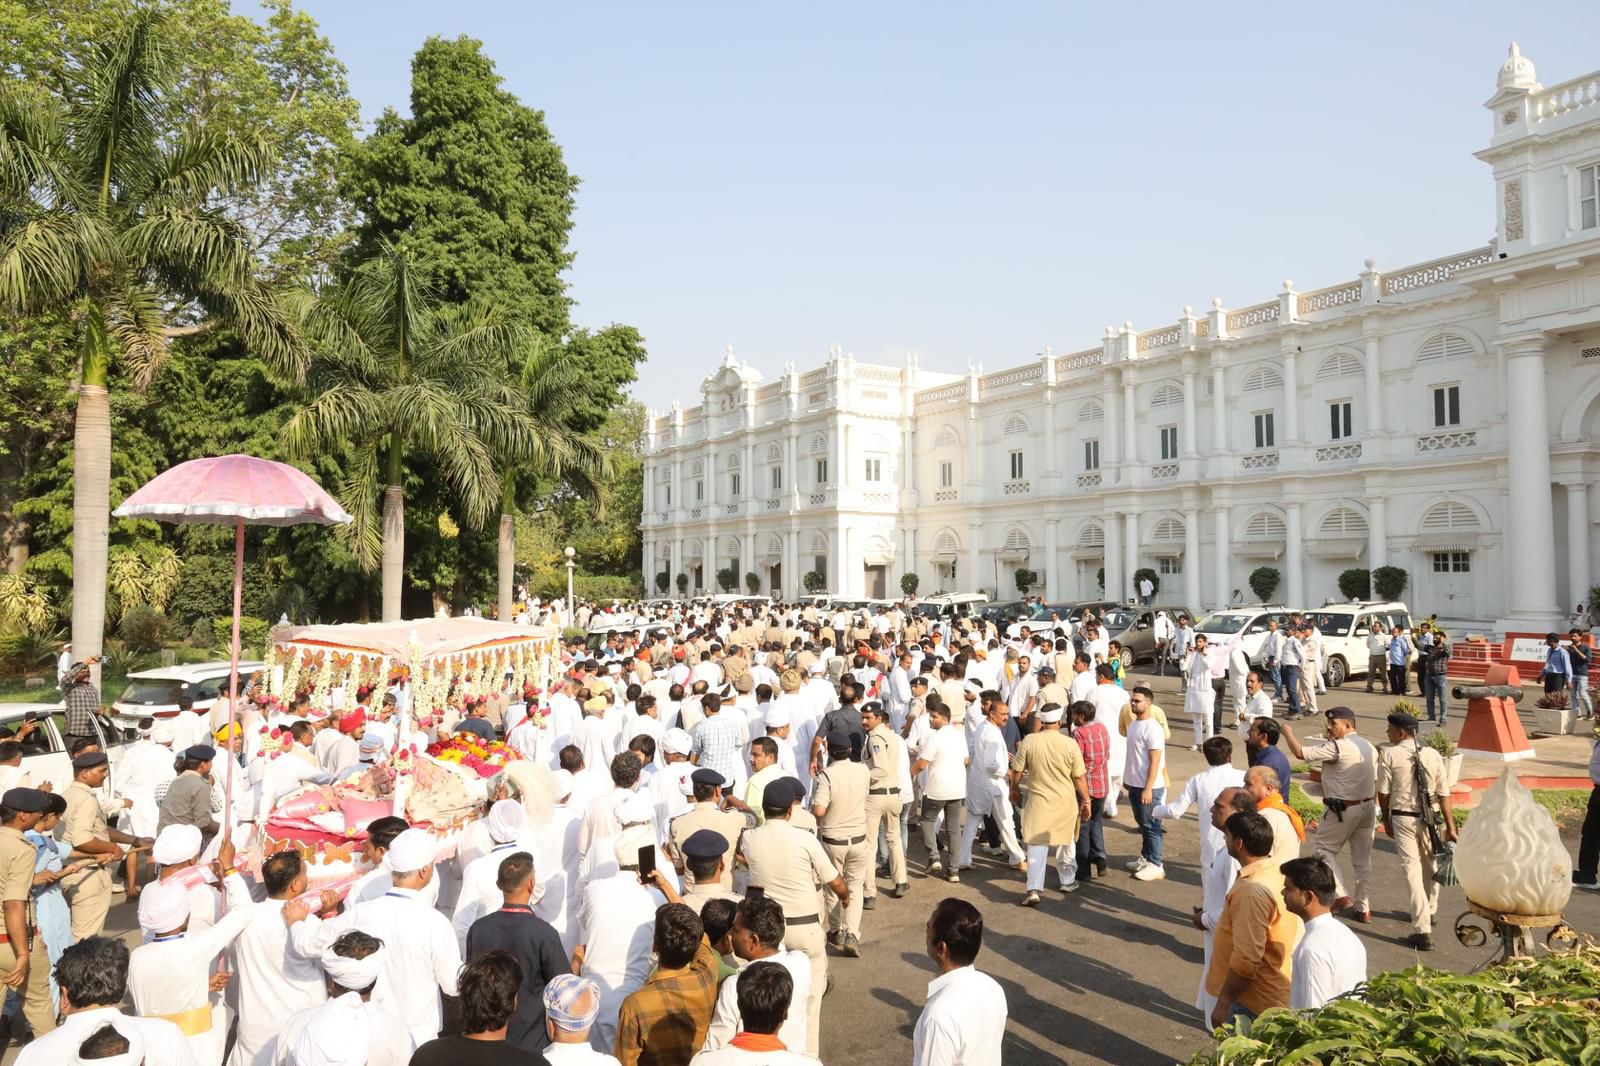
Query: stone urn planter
{"x": 1552, "y": 721}
{"x": 1452, "y": 770}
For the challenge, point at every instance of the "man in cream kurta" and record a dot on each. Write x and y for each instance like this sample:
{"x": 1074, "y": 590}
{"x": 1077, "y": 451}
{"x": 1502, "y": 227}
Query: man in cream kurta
{"x": 1058, "y": 796}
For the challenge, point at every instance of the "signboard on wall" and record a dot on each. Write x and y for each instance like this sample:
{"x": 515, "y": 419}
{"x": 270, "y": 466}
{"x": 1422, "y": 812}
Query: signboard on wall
{"x": 1525, "y": 650}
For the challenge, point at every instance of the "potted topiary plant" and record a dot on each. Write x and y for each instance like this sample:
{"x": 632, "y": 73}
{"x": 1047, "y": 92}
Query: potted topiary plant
{"x": 1552, "y": 715}
{"x": 1264, "y": 582}
{"x": 663, "y": 581}
{"x": 727, "y": 578}
{"x": 752, "y": 582}
{"x": 1388, "y": 582}
{"x": 683, "y": 584}
{"x": 1355, "y": 584}
{"x": 814, "y": 581}
{"x": 1024, "y": 579}
{"x": 1440, "y": 742}
{"x": 908, "y": 584}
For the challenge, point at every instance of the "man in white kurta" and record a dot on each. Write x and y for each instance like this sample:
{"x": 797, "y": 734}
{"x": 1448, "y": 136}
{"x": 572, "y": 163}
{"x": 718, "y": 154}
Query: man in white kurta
{"x": 988, "y": 792}
{"x": 556, "y": 839}
{"x": 480, "y": 891}
{"x": 1201, "y": 790}
{"x": 964, "y": 1019}
{"x": 1216, "y": 878}
{"x": 274, "y": 981}
{"x": 423, "y": 959}
{"x": 98, "y": 968}
{"x": 1198, "y": 695}
{"x": 616, "y": 923}
{"x": 170, "y": 977}
{"x": 144, "y": 765}
{"x": 1109, "y": 699}
{"x": 346, "y": 1028}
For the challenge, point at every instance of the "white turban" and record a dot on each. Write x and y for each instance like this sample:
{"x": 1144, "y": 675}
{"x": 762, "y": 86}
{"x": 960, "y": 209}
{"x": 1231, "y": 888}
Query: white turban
{"x": 163, "y": 907}
{"x": 1051, "y": 716}
{"x": 175, "y": 844}
{"x": 562, "y": 780}
{"x": 677, "y": 742}
{"x": 132, "y": 1057}
{"x": 412, "y": 850}
{"x": 506, "y": 820}
{"x": 628, "y": 843}
{"x": 338, "y": 1033}
{"x": 163, "y": 733}
{"x": 777, "y": 718}
{"x": 354, "y": 974}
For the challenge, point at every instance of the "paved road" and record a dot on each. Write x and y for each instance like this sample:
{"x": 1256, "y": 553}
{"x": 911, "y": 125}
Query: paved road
{"x": 1107, "y": 975}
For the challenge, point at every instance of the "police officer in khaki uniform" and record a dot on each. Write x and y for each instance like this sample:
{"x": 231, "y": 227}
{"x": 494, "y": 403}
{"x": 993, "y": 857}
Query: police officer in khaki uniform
{"x": 711, "y": 810}
{"x": 839, "y": 800}
{"x": 88, "y": 893}
{"x": 1350, "y": 814}
{"x": 705, "y": 853}
{"x": 24, "y": 965}
{"x": 881, "y": 755}
{"x": 1400, "y": 766}
{"x": 787, "y": 863}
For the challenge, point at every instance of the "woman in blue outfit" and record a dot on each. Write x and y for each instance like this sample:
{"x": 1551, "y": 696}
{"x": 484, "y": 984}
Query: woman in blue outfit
{"x": 50, "y": 906}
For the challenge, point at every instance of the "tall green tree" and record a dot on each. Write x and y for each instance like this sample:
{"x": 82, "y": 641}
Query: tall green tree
{"x": 397, "y": 373}
{"x": 472, "y": 184}
{"x": 106, "y": 220}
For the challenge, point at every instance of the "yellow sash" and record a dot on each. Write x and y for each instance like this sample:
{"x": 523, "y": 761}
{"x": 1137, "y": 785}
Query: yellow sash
{"x": 190, "y": 1022}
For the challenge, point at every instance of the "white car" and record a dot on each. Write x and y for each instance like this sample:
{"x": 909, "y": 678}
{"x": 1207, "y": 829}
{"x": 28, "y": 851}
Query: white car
{"x": 154, "y": 693}
{"x": 44, "y": 751}
{"x": 1345, "y": 627}
{"x": 1223, "y": 629}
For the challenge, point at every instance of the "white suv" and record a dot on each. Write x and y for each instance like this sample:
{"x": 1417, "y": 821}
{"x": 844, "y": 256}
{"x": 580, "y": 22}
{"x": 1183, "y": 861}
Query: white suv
{"x": 1344, "y": 628}
{"x": 1248, "y": 624}
{"x": 154, "y": 693}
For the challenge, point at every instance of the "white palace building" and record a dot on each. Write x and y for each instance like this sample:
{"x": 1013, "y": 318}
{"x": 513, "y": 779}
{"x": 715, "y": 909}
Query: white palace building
{"x": 1441, "y": 418}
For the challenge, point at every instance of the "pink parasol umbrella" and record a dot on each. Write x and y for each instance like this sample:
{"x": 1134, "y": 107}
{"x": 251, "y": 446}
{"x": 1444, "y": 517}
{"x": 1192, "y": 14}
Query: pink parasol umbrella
{"x": 240, "y": 489}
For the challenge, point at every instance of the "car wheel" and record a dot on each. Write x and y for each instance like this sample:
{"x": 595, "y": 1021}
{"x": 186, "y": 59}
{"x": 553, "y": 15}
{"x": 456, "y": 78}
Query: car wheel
{"x": 1337, "y": 672}
{"x": 1127, "y": 660}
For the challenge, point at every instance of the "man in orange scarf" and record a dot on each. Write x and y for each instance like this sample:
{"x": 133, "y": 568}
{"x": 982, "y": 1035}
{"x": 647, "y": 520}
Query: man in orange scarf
{"x": 1288, "y": 829}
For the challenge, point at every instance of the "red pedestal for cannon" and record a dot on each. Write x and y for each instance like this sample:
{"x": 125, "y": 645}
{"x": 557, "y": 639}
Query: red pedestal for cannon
{"x": 1492, "y": 729}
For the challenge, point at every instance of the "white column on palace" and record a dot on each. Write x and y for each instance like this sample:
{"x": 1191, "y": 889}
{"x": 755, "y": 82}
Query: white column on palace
{"x": 1111, "y": 439}
{"x": 1130, "y": 444}
{"x": 835, "y": 456}
{"x": 1130, "y": 559}
{"x": 1190, "y": 429}
{"x": 1530, "y": 533}
{"x": 748, "y": 565}
{"x": 1578, "y": 562}
{"x": 791, "y": 466}
{"x": 1291, "y": 555}
{"x": 1372, "y": 420}
{"x": 677, "y": 486}
{"x": 1223, "y": 549}
{"x": 908, "y": 560}
{"x": 1113, "y": 560}
{"x": 1191, "y": 559}
{"x": 1377, "y": 531}
{"x": 1052, "y": 559}
{"x": 843, "y": 568}
{"x": 711, "y": 484}
{"x": 1219, "y": 408}
{"x": 792, "y": 584}
{"x": 677, "y": 566}
{"x": 1051, "y": 467}
{"x": 1291, "y": 398}
{"x": 974, "y": 578}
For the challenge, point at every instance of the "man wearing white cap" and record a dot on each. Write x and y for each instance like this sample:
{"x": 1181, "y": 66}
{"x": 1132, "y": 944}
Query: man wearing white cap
{"x": 348, "y": 1029}
{"x": 668, "y": 784}
{"x": 143, "y": 765}
{"x": 93, "y": 975}
{"x": 423, "y": 958}
{"x": 274, "y": 982}
{"x": 170, "y": 975}
{"x": 509, "y": 832}
{"x": 616, "y": 920}
{"x": 175, "y": 852}
{"x": 571, "y": 1004}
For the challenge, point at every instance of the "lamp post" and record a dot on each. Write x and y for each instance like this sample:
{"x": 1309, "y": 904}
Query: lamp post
{"x": 569, "y": 553}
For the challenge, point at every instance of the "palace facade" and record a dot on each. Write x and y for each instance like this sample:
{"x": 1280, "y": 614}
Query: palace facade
{"x": 1440, "y": 417}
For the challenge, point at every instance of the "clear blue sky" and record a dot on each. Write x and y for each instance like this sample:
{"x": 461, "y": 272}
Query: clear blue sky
{"x": 976, "y": 181}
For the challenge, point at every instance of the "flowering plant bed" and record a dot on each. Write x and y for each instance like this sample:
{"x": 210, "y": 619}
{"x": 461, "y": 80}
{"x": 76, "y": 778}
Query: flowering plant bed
{"x": 466, "y": 750}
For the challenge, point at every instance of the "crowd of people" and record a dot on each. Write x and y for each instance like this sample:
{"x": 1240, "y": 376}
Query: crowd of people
{"x": 710, "y": 800}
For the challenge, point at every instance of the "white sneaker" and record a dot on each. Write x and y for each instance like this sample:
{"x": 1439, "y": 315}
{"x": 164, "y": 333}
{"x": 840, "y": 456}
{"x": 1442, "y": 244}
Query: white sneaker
{"x": 1135, "y": 865}
{"x": 1149, "y": 872}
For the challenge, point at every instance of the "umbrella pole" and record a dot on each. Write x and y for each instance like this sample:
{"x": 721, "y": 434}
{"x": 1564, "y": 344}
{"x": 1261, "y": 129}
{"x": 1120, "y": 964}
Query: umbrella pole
{"x": 233, "y": 675}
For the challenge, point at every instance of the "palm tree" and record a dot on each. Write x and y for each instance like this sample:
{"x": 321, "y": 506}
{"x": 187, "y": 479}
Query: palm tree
{"x": 109, "y": 219}
{"x": 396, "y": 373}
{"x": 551, "y": 383}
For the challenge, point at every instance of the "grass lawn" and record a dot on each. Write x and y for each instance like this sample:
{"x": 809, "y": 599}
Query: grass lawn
{"x": 112, "y": 681}
{"x": 1566, "y": 805}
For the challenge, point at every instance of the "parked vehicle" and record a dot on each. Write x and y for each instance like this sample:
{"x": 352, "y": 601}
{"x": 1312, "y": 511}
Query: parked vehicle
{"x": 154, "y": 693}
{"x": 1345, "y": 628}
{"x": 1038, "y": 617}
{"x": 949, "y": 604}
{"x": 44, "y": 750}
{"x": 1134, "y": 628}
{"x": 1249, "y": 624}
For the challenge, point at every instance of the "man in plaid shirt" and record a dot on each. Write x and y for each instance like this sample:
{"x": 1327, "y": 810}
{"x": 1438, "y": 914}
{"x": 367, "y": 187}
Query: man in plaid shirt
{"x": 82, "y": 701}
{"x": 719, "y": 743}
{"x": 664, "y": 1023}
{"x": 1095, "y": 743}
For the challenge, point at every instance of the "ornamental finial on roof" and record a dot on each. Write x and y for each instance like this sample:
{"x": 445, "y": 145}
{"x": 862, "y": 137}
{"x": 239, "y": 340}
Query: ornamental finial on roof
{"x": 1517, "y": 71}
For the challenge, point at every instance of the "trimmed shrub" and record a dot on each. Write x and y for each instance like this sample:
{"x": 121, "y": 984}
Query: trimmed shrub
{"x": 1145, "y": 572}
{"x": 1356, "y": 584}
{"x": 1264, "y": 582}
{"x": 1389, "y": 582}
{"x": 143, "y": 629}
{"x": 814, "y": 581}
{"x": 253, "y": 634}
{"x": 663, "y": 581}
{"x": 908, "y": 584}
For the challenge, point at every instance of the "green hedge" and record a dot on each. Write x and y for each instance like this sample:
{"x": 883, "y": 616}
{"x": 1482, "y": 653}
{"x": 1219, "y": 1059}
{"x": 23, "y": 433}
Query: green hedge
{"x": 252, "y": 636}
{"x": 593, "y": 587}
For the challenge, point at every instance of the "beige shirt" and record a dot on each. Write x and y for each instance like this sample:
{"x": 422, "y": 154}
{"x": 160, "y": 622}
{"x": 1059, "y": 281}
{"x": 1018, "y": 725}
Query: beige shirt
{"x": 1349, "y": 766}
{"x": 1052, "y": 761}
{"x": 881, "y": 754}
{"x": 84, "y": 819}
{"x": 1055, "y": 693}
{"x": 1397, "y": 780}
{"x": 16, "y": 866}
{"x": 954, "y": 694}
{"x": 728, "y": 824}
{"x": 787, "y": 863}
{"x": 842, "y": 790}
